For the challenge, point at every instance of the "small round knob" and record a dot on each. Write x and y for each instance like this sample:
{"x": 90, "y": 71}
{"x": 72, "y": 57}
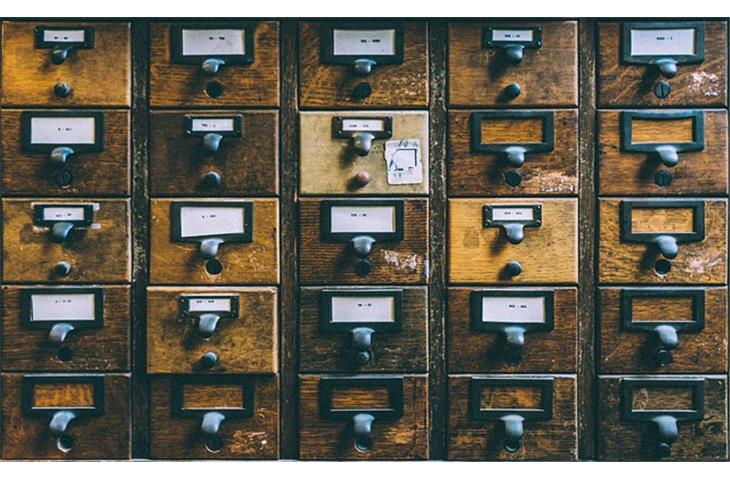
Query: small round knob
{"x": 662, "y": 89}
{"x": 663, "y": 449}
{"x": 513, "y": 178}
{"x": 63, "y": 178}
{"x": 62, "y": 90}
{"x": 61, "y": 269}
{"x": 513, "y": 268}
{"x": 513, "y": 90}
{"x": 363, "y": 267}
{"x": 663, "y": 178}
{"x": 363, "y": 358}
{"x": 211, "y": 180}
{"x": 663, "y": 357}
{"x": 361, "y": 179}
{"x": 209, "y": 360}
{"x": 362, "y": 90}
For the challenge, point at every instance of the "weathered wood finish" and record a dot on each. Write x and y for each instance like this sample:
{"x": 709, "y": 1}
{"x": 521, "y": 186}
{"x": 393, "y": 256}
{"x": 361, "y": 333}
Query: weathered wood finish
{"x": 621, "y": 440}
{"x": 547, "y": 75}
{"x": 248, "y": 165}
{"x": 247, "y": 344}
{"x": 475, "y": 173}
{"x": 698, "y": 173}
{"x": 255, "y": 85}
{"x": 328, "y": 164}
{"x": 483, "y": 352}
{"x": 99, "y": 255}
{"x": 176, "y": 438}
{"x": 555, "y": 439}
{"x": 703, "y": 84}
{"x": 400, "y": 86}
{"x": 403, "y": 351}
{"x": 405, "y": 438}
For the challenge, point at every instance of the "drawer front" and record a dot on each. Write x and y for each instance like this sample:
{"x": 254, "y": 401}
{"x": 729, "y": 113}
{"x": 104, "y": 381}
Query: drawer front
{"x": 506, "y": 152}
{"x": 482, "y": 68}
{"x": 214, "y": 153}
{"x": 668, "y": 152}
{"x": 214, "y": 417}
{"x": 663, "y": 241}
{"x": 185, "y": 71}
{"x": 663, "y": 330}
{"x": 390, "y": 412}
{"x": 329, "y": 76}
{"x": 629, "y": 74}
{"x": 211, "y": 330}
{"x": 485, "y": 244}
{"x": 185, "y": 247}
{"x": 488, "y": 411}
{"x": 364, "y": 153}
{"x": 38, "y": 161}
{"x": 634, "y": 410}
{"x": 89, "y": 65}
{"x": 363, "y": 241}
{"x": 66, "y": 329}
{"x": 57, "y": 417}
{"x": 62, "y": 240}
{"x": 366, "y": 329}
{"x": 512, "y": 330}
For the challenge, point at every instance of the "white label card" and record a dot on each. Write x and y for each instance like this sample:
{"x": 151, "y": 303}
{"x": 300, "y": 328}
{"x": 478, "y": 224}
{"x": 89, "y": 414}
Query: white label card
{"x": 403, "y": 162}
{"x": 363, "y": 309}
{"x": 364, "y": 42}
{"x": 362, "y": 125}
{"x": 210, "y": 221}
{"x": 64, "y": 36}
{"x": 222, "y": 304}
{"x": 505, "y": 214}
{"x": 365, "y": 219}
{"x": 513, "y": 309}
{"x": 663, "y": 42}
{"x": 60, "y": 306}
{"x": 60, "y": 214}
{"x": 62, "y": 130}
{"x": 213, "y": 125}
{"x": 512, "y": 35}
{"x": 214, "y": 42}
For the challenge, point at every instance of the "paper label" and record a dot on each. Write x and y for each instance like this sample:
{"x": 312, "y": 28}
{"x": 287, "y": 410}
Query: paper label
{"x": 363, "y": 309}
{"x": 208, "y": 304}
{"x": 516, "y": 36}
{"x": 663, "y": 42}
{"x": 512, "y": 214}
{"x": 213, "y": 125}
{"x": 403, "y": 162}
{"x": 211, "y": 221}
{"x": 62, "y": 130}
{"x": 60, "y": 307}
{"x": 362, "y": 125}
{"x": 61, "y": 214}
{"x": 214, "y": 42}
{"x": 363, "y": 42}
{"x": 513, "y": 309}
{"x": 64, "y": 36}
{"x": 362, "y": 219}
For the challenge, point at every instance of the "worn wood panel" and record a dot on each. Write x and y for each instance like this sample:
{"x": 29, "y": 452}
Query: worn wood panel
{"x": 696, "y": 263}
{"x": 247, "y": 344}
{"x": 555, "y": 439}
{"x": 106, "y": 348}
{"x": 243, "y": 263}
{"x": 632, "y": 351}
{"x": 256, "y": 84}
{"x": 477, "y": 351}
{"x": 476, "y": 173}
{"x": 402, "y": 86}
{"x": 248, "y": 165}
{"x": 402, "y": 351}
{"x": 405, "y": 438}
{"x": 702, "y": 84}
{"x": 332, "y": 263}
{"x": 176, "y": 438}
{"x": 622, "y": 440}
{"x": 95, "y": 254}
{"x": 95, "y": 438}
{"x": 98, "y": 76}
{"x": 478, "y": 254}
{"x": 547, "y": 75}
{"x": 629, "y": 173}
{"x": 329, "y": 165}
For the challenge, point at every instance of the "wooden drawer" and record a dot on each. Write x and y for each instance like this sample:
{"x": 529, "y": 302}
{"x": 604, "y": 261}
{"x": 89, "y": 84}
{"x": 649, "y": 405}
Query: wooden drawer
{"x": 509, "y": 152}
{"x": 512, "y": 417}
{"x": 66, "y": 64}
{"x": 667, "y": 330}
{"x": 626, "y": 79}
{"x": 388, "y": 412}
{"x": 330, "y": 77}
{"x": 56, "y": 417}
{"x": 363, "y": 241}
{"x": 663, "y": 241}
{"x": 66, "y": 329}
{"x": 379, "y": 329}
{"x": 364, "y": 153}
{"x": 209, "y": 329}
{"x": 182, "y": 64}
{"x": 37, "y": 160}
{"x": 485, "y": 243}
{"x": 667, "y": 152}
{"x": 63, "y": 240}
{"x": 184, "y": 241}
{"x": 214, "y": 417}
{"x": 214, "y": 153}
{"x": 632, "y": 410}
{"x": 481, "y": 69}
{"x": 512, "y": 330}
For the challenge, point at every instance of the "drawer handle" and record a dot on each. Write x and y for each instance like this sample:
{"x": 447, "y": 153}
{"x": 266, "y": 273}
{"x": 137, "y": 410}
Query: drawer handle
{"x": 60, "y": 422}
{"x": 209, "y": 248}
{"x": 667, "y": 433}
{"x": 362, "y": 343}
{"x": 58, "y": 333}
{"x": 207, "y": 323}
{"x": 515, "y": 155}
{"x": 514, "y": 430}
{"x": 667, "y": 67}
{"x": 210, "y": 428}
{"x": 363, "y": 245}
{"x": 668, "y": 155}
{"x": 211, "y": 66}
{"x": 363, "y": 66}
{"x": 362, "y": 142}
{"x": 668, "y": 341}
{"x": 60, "y": 231}
{"x": 59, "y": 155}
{"x": 212, "y": 142}
{"x": 512, "y": 41}
{"x": 362, "y": 427}
{"x": 59, "y": 54}
{"x": 513, "y": 219}
{"x": 667, "y": 245}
